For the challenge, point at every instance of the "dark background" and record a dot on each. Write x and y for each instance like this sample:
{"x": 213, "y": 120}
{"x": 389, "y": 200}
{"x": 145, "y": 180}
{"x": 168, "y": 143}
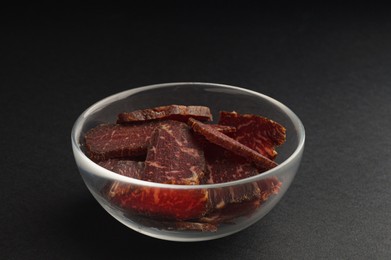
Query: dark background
{"x": 331, "y": 66}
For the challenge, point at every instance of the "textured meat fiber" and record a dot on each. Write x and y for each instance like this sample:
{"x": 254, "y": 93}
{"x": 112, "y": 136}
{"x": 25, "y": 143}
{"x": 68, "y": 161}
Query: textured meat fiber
{"x": 174, "y": 156}
{"x": 226, "y": 212}
{"x": 269, "y": 187}
{"x": 221, "y": 197}
{"x": 173, "y": 112}
{"x": 257, "y": 132}
{"x": 225, "y": 166}
{"x": 118, "y": 141}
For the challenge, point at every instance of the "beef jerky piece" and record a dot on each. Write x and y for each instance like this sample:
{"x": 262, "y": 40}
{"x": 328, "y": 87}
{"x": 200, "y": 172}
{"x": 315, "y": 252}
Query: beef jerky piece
{"x": 259, "y": 133}
{"x": 216, "y": 137}
{"x": 221, "y": 128}
{"x": 173, "y": 112}
{"x": 227, "y": 214}
{"x": 218, "y": 198}
{"x": 109, "y": 164}
{"x": 118, "y": 141}
{"x": 160, "y": 203}
{"x": 224, "y": 128}
{"x": 174, "y": 156}
{"x": 225, "y": 166}
{"x": 269, "y": 187}
{"x": 123, "y": 141}
{"x": 133, "y": 169}
{"x": 221, "y": 197}
{"x": 226, "y": 170}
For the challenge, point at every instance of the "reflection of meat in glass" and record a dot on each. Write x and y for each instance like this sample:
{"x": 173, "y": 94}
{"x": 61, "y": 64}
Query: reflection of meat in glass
{"x": 156, "y": 145}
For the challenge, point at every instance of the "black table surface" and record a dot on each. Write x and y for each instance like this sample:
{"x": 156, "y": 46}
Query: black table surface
{"x": 331, "y": 67}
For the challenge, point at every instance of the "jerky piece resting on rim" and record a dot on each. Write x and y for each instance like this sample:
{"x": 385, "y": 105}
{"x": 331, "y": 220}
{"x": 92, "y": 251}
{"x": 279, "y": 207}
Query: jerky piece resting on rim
{"x": 118, "y": 141}
{"x": 174, "y": 155}
{"x": 216, "y": 137}
{"x": 259, "y": 133}
{"x": 173, "y": 112}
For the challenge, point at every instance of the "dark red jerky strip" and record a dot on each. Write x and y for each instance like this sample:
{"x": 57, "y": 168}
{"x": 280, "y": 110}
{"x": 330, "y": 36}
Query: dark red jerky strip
{"x": 224, "y": 128}
{"x": 109, "y": 164}
{"x": 168, "y": 204}
{"x": 229, "y": 212}
{"x": 205, "y": 143}
{"x": 269, "y": 187}
{"x": 123, "y": 141}
{"x": 221, "y": 197}
{"x": 118, "y": 141}
{"x": 225, "y": 170}
{"x": 133, "y": 169}
{"x": 174, "y": 156}
{"x": 225, "y": 166}
{"x": 216, "y": 137}
{"x": 259, "y": 133}
{"x": 173, "y": 112}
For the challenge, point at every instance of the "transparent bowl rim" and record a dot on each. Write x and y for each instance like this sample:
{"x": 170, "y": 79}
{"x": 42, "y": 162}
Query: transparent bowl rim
{"x": 107, "y": 174}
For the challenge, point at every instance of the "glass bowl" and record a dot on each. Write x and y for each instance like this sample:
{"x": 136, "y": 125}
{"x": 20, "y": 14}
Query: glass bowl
{"x": 272, "y": 184}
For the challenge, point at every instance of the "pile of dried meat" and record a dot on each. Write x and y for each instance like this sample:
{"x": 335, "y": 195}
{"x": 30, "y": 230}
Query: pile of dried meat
{"x": 178, "y": 144}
